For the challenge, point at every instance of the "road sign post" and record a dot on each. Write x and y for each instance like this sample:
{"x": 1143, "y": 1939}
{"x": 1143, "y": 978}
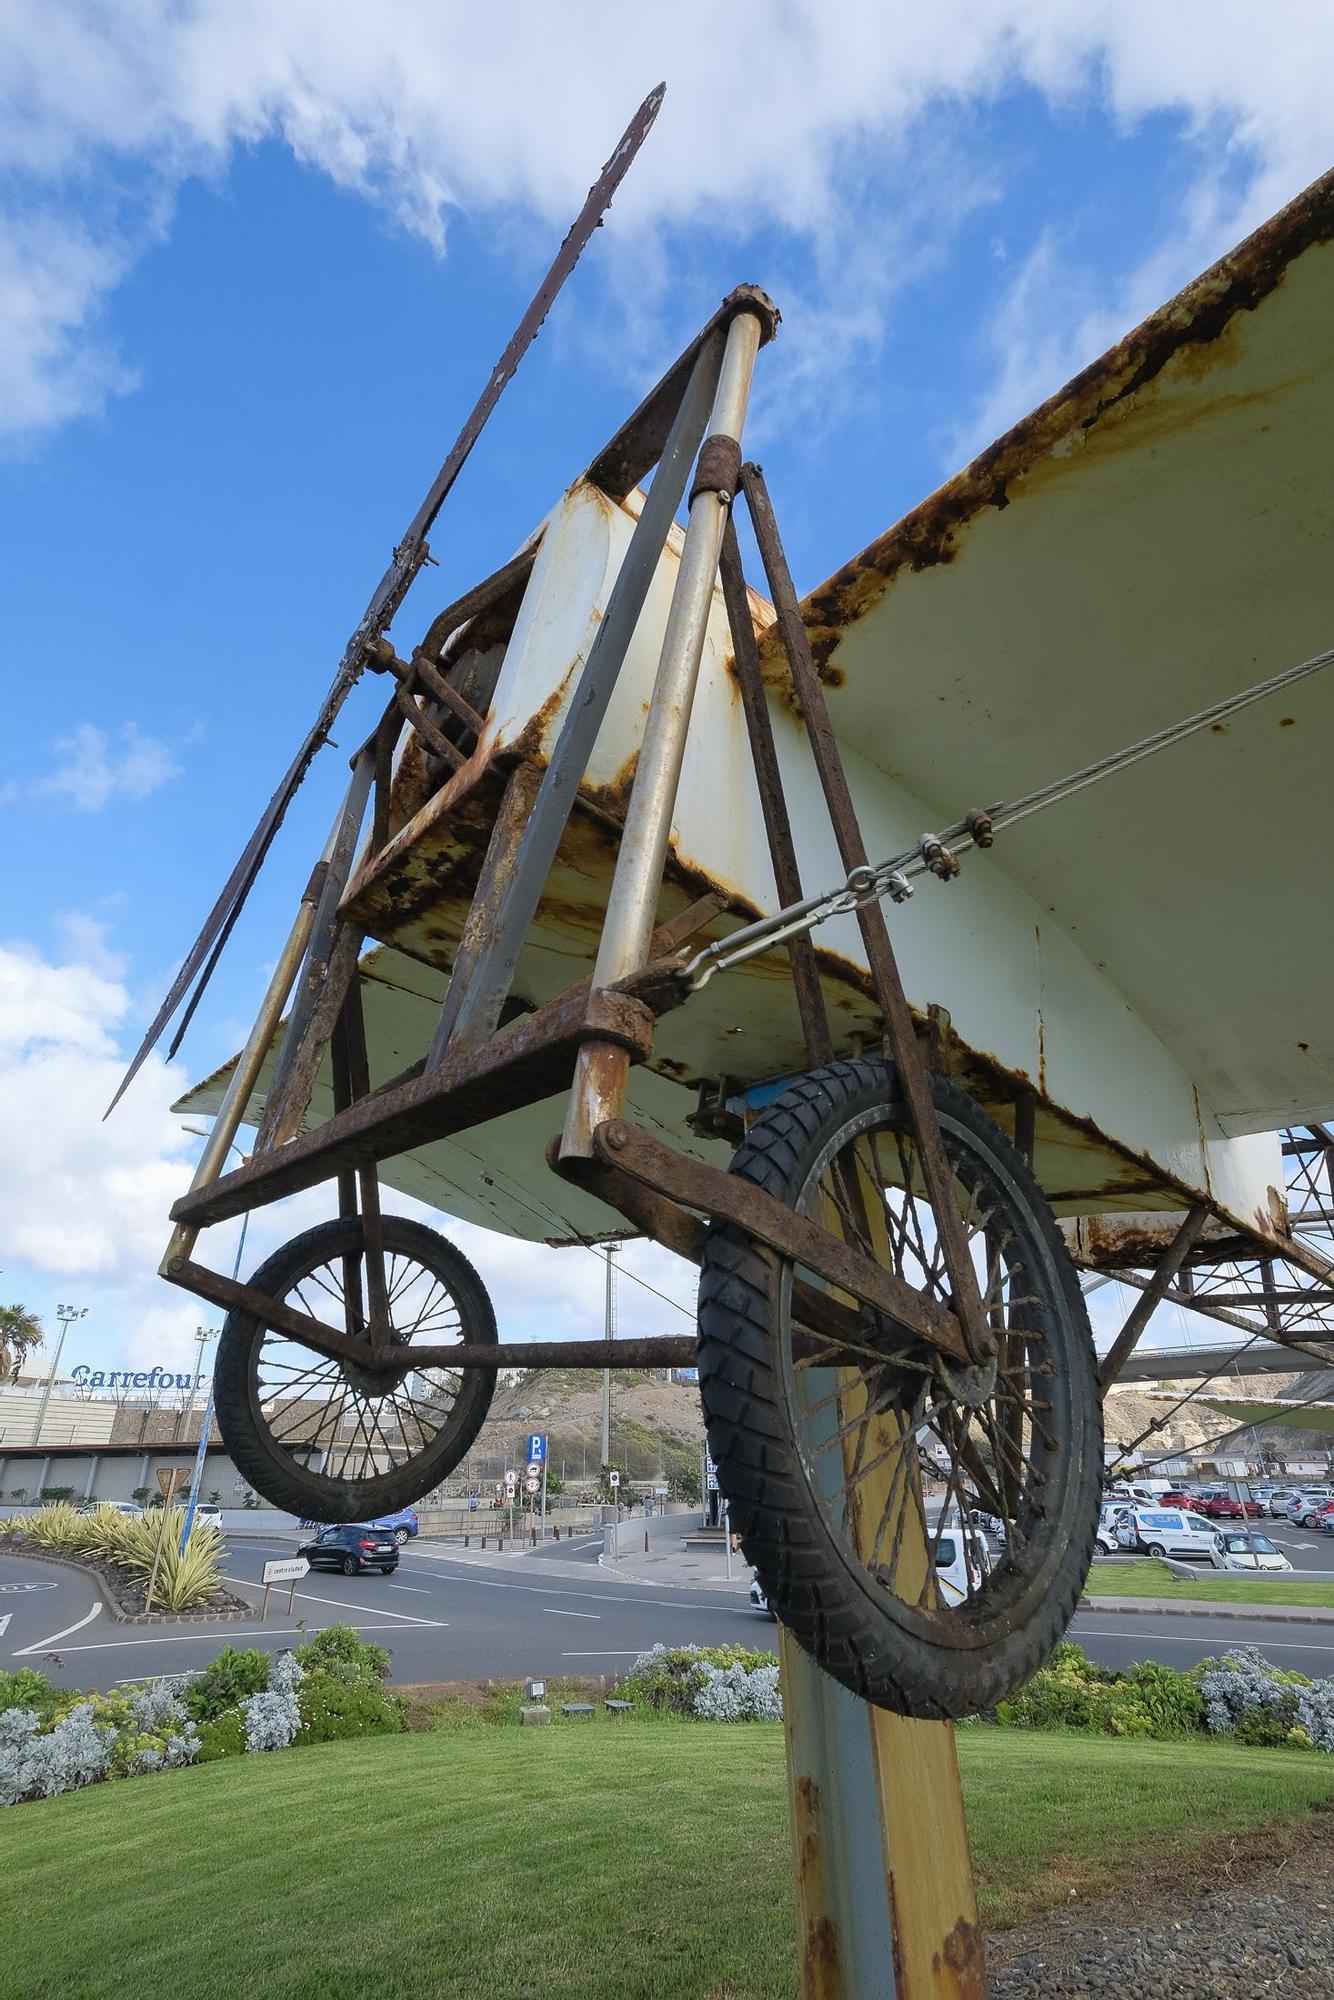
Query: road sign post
{"x": 289, "y": 1569}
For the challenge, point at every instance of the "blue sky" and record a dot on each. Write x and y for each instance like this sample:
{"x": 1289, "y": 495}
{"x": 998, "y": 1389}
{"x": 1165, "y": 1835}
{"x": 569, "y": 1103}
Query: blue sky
{"x": 253, "y": 279}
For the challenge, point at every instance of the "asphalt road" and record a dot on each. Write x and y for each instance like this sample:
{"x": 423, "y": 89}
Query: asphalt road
{"x": 444, "y": 1617}
{"x": 447, "y": 1615}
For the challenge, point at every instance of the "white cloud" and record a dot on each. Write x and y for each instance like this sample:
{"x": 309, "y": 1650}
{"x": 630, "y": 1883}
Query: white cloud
{"x": 84, "y": 1203}
{"x": 94, "y": 768}
{"x": 830, "y": 122}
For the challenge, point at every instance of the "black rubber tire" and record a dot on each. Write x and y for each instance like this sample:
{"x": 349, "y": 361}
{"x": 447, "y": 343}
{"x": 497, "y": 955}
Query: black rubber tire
{"x": 274, "y": 1471}
{"x": 1157, "y": 1550}
{"x": 401, "y": 1537}
{"x": 810, "y": 1576}
{"x": 351, "y": 1567}
{"x": 387, "y": 1569}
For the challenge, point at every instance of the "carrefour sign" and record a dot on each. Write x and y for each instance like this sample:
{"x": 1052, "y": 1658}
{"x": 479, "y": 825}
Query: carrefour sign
{"x": 124, "y": 1378}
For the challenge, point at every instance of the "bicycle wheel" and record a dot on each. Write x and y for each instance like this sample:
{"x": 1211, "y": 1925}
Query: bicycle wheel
{"x": 819, "y": 1440}
{"x": 329, "y": 1440}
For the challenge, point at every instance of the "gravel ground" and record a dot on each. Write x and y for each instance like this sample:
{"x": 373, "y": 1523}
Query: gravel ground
{"x": 1236, "y": 1928}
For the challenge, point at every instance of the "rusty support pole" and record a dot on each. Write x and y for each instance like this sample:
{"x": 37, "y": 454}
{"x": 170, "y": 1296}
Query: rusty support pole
{"x": 1173, "y": 1257}
{"x": 773, "y": 800}
{"x": 885, "y": 1899}
{"x": 899, "y": 1030}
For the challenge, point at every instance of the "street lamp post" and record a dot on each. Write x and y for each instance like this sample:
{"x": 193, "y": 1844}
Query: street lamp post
{"x": 197, "y": 1472}
{"x": 203, "y": 1335}
{"x": 609, "y": 1333}
{"x": 66, "y": 1315}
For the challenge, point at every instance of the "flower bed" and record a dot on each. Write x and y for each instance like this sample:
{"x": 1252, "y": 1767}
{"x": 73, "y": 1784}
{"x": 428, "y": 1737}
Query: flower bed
{"x": 1239, "y": 1695}
{"x": 124, "y": 1549}
{"x": 54, "y": 1740}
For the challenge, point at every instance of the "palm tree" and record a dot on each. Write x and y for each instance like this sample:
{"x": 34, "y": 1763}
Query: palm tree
{"x": 20, "y": 1333}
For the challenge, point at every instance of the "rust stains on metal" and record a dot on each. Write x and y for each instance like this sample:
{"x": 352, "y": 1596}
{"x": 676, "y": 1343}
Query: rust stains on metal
{"x": 819, "y": 1958}
{"x": 821, "y": 1974}
{"x": 1182, "y": 330}
{"x": 961, "y": 1954}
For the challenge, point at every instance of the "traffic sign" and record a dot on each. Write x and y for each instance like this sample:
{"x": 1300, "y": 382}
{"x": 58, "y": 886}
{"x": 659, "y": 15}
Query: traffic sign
{"x": 171, "y": 1478}
{"x": 711, "y": 1482}
{"x": 613, "y": 1479}
{"x": 289, "y": 1569}
{"x": 511, "y": 1476}
{"x": 532, "y": 1484}
{"x": 537, "y": 1449}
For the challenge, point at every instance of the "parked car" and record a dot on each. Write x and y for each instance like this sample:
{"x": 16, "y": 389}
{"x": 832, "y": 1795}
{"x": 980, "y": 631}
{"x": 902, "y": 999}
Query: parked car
{"x": 1167, "y": 1531}
{"x": 352, "y": 1549}
{"x": 1304, "y": 1508}
{"x": 1242, "y": 1548}
{"x": 128, "y": 1507}
{"x": 209, "y": 1510}
{"x": 1325, "y": 1518}
{"x": 1279, "y": 1498}
{"x": 404, "y": 1526}
{"x": 1220, "y": 1505}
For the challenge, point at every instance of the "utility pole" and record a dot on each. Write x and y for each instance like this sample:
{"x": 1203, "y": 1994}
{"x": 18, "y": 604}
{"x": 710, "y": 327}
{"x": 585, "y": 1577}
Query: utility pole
{"x": 66, "y": 1315}
{"x": 608, "y": 1333}
{"x": 203, "y": 1334}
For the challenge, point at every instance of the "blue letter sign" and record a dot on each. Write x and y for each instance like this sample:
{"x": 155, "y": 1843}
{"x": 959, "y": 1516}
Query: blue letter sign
{"x": 537, "y": 1450}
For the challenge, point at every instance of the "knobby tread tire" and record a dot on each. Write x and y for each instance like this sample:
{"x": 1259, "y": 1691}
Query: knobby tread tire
{"x": 269, "y": 1467}
{"x": 753, "y": 1438}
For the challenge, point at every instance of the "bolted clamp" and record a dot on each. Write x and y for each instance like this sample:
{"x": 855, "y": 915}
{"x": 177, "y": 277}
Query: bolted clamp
{"x": 938, "y": 858}
{"x": 718, "y": 469}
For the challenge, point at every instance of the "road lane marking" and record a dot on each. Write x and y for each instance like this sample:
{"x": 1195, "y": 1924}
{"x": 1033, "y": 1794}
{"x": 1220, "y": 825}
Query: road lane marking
{"x": 1186, "y": 1639}
{"x": 231, "y": 1631}
{"x": 552, "y": 1612}
{"x": 607, "y": 1653}
{"x": 78, "y": 1625}
{"x": 4, "y": 1623}
{"x": 415, "y": 1588}
{"x": 13, "y": 1589}
{"x": 339, "y": 1603}
{"x": 610, "y": 1597}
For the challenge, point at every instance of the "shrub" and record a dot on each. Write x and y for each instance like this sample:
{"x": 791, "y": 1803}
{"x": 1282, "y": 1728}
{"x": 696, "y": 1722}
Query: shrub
{"x": 271, "y": 1721}
{"x": 733, "y": 1694}
{"x": 332, "y": 1708}
{"x": 1247, "y": 1698}
{"x": 27, "y": 1689}
{"x": 1073, "y": 1692}
{"x": 223, "y": 1737}
{"x": 125, "y": 1733}
{"x": 225, "y": 1682}
{"x": 338, "y": 1650}
{"x": 675, "y": 1679}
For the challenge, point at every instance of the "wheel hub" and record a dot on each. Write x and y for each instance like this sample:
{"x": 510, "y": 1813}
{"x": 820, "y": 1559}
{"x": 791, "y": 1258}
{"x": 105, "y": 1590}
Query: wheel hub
{"x": 972, "y": 1384}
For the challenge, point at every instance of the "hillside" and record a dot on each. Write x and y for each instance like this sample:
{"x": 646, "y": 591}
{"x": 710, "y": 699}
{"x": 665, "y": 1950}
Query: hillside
{"x": 657, "y": 1429}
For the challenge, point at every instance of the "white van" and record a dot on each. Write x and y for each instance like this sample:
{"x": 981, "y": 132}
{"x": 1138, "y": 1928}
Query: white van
{"x": 1110, "y": 1516}
{"x": 1168, "y": 1531}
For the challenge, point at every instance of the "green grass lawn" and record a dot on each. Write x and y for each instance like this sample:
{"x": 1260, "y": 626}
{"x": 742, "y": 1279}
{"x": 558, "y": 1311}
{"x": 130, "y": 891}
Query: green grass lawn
{"x": 1154, "y": 1579}
{"x": 631, "y": 1860}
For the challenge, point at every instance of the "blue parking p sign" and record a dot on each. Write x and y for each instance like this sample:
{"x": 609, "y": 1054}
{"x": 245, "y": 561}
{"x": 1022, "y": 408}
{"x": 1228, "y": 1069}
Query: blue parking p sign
{"x": 537, "y": 1449}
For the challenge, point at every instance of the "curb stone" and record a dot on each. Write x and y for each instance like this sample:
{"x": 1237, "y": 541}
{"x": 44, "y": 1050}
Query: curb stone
{"x": 121, "y": 1616}
{"x": 1277, "y": 1614}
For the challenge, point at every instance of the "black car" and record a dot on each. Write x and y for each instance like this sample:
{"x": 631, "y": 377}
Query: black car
{"x": 352, "y": 1550}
